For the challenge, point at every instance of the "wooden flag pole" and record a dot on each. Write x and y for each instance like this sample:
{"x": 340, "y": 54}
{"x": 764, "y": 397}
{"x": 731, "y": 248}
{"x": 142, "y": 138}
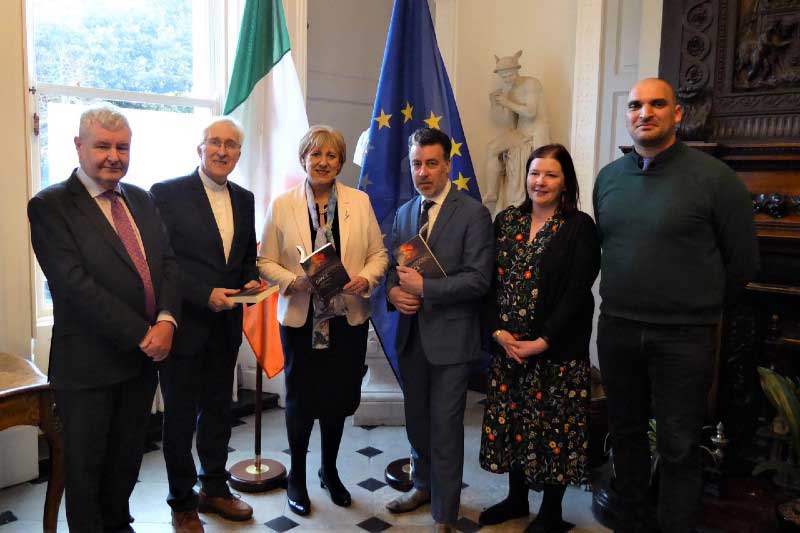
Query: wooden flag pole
{"x": 257, "y": 474}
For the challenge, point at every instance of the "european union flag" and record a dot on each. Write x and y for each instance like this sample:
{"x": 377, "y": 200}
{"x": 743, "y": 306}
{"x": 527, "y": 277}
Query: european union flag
{"x": 413, "y": 91}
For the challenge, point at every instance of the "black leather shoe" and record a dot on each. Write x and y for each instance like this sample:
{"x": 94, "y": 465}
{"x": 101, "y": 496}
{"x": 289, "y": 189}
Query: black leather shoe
{"x": 503, "y": 511}
{"x": 558, "y": 526}
{"x": 339, "y": 494}
{"x": 297, "y": 497}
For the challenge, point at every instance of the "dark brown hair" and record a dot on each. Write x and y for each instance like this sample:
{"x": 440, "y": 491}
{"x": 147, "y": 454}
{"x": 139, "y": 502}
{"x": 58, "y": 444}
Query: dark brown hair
{"x": 570, "y": 196}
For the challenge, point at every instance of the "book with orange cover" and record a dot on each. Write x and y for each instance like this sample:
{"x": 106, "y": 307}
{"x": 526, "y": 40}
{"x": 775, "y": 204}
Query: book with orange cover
{"x": 415, "y": 253}
{"x": 325, "y": 271}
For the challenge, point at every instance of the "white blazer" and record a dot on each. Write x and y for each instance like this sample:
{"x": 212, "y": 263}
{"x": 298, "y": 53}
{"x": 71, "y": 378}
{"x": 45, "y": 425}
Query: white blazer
{"x": 360, "y": 246}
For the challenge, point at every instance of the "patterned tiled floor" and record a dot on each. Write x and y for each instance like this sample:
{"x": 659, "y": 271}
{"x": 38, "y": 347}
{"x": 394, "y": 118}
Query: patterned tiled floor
{"x": 365, "y": 452}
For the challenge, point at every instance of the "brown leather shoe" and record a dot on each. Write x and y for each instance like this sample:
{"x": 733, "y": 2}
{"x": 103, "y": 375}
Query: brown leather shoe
{"x": 186, "y": 522}
{"x": 408, "y": 501}
{"x": 230, "y": 507}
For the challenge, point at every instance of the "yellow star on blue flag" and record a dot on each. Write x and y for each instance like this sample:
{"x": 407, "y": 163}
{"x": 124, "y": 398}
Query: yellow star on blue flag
{"x": 407, "y": 112}
{"x": 461, "y": 182}
{"x": 383, "y": 120}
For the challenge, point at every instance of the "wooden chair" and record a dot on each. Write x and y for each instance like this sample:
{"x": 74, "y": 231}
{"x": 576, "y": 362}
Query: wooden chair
{"x": 26, "y": 400}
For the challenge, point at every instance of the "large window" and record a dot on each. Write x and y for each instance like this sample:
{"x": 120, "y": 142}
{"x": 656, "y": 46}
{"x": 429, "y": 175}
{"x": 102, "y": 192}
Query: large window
{"x": 163, "y": 61}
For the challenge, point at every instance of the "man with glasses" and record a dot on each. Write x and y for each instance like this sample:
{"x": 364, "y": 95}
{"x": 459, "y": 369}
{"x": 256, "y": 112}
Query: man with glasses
{"x": 211, "y": 223}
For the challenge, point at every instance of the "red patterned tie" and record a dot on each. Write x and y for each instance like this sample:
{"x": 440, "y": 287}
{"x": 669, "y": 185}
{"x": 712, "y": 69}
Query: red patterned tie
{"x": 128, "y": 237}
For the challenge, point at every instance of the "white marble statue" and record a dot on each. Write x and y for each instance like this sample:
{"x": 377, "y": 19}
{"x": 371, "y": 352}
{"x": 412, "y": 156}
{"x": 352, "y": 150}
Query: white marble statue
{"x": 518, "y": 105}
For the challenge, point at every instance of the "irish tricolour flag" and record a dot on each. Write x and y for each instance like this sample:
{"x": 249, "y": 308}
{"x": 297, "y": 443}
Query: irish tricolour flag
{"x": 265, "y": 97}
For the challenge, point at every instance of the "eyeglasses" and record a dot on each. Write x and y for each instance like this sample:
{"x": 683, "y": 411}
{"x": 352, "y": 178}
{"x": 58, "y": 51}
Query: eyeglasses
{"x": 216, "y": 143}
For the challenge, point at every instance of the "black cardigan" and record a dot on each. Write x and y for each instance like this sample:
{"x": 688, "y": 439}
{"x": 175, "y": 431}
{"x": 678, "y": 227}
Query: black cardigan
{"x": 565, "y": 305}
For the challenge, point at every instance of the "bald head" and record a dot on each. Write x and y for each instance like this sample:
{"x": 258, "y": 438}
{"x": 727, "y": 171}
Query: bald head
{"x": 658, "y": 82}
{"x": 652, "y": 115}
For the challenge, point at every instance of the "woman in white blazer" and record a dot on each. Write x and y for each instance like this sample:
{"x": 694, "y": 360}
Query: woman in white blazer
{"x": 323, "y": 357}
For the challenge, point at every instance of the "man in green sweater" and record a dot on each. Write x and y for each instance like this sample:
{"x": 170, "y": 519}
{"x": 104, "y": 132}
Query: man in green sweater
{"x": 678, "y": 236}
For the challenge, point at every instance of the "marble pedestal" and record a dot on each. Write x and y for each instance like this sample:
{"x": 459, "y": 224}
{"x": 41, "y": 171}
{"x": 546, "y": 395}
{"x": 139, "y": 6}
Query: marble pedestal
{"x": 381, "y": 397}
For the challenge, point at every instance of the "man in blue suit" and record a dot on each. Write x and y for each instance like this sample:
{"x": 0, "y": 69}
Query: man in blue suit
{"x": 438, "y": 334}
{"x": 212, "y": 227}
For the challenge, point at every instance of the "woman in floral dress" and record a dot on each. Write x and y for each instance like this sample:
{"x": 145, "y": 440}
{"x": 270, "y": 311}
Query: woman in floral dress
{"x": 535, "y": 424}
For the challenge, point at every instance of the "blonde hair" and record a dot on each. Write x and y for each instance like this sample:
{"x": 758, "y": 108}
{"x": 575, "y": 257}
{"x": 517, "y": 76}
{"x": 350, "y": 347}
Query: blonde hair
{"x": 319, "y": 136}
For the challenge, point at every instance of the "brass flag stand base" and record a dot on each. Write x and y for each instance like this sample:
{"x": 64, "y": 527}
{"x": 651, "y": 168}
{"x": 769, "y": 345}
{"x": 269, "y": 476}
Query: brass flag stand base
{"x": 257, "y": 474}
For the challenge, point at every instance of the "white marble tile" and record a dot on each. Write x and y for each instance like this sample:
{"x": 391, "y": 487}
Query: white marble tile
{"x": 149, "y": 507}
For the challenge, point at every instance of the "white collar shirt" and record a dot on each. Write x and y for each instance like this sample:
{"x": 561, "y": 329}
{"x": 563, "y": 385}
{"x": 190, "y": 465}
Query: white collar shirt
{"x": 433, "y": 211}
{"x": 219, "y": 196}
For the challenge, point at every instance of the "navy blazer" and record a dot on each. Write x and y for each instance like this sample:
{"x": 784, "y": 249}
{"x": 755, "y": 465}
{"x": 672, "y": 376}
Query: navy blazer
{"x": 98, "y": 296}
{"x": 187, "y": 213}
{"x": 462, "y": 241}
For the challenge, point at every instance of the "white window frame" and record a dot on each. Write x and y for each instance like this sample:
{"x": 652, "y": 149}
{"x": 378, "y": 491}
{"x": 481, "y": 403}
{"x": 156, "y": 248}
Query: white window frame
{"x": 221, "y": 20}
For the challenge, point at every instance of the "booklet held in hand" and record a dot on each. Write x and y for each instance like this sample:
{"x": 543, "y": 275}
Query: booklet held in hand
{"x": 325, "y": 271}
{"x": 415, "y": 253}
{"x": 255, "y": 295}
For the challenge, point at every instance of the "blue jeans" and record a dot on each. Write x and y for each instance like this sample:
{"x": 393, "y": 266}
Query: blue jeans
{"x": 665, "y": 369}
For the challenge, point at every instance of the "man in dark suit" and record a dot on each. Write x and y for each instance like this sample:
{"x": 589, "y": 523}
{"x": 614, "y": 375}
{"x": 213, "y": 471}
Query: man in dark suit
{"x": 438, "y": 334}
{"x": 211, "y": 223}
{"x": 113, "y": 280}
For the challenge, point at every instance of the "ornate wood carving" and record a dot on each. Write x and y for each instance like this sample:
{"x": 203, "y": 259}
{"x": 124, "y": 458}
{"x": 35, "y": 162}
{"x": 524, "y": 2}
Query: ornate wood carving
{"x": 737, "y": 69}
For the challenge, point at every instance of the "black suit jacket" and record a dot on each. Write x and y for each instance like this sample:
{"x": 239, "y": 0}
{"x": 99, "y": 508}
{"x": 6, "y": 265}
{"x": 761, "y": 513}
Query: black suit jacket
{"x": 187, "y": 213}
{"x": 98, "y": 296}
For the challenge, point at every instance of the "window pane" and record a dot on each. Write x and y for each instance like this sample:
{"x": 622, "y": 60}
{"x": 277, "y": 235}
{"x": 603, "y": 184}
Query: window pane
{"x": 163, "y": 145}
{"x": 128, "y": 45}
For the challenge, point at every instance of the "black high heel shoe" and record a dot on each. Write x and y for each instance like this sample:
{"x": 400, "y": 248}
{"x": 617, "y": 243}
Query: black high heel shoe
{"x": 297, "y": 497}
{"x": 339, "y": 494}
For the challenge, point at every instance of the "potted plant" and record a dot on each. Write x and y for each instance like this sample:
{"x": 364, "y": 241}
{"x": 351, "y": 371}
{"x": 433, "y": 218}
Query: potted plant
{"x": 782, "y": 393}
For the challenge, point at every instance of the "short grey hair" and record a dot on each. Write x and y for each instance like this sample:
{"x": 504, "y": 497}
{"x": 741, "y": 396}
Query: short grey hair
{"x": 106, "y": 115}
{"x": 224, "y": 120}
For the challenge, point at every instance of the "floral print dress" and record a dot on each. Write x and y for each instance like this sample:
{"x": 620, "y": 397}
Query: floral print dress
{"x": 535, "y": 414}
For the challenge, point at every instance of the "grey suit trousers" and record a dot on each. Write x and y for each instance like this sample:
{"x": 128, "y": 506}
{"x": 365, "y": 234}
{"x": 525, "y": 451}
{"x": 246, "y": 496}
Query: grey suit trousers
{"x": 435, "y": 397}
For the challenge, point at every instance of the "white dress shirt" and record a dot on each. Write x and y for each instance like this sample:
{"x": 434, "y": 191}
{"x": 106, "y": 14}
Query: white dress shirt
{"x": 433, "y": 211}
{"x": 220, "y": 198}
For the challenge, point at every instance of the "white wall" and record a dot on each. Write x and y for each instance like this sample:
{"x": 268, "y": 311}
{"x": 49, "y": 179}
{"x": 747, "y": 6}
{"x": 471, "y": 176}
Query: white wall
{"x": 16, "y": 317}
{"x": 18, "y": 459}
{"x": 344, "y": 64}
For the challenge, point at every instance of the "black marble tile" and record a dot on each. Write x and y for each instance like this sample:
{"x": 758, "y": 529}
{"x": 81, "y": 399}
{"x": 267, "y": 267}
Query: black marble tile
{"x": 6, "y": 517}
{"x": 374, "y": 525}
{"x": 369, "y": 451}
{"x": 466, "y": 525}
{"x": 281, "y": 524}
{"x": 371, "y": 484}
{"x": 287, "y": 451}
